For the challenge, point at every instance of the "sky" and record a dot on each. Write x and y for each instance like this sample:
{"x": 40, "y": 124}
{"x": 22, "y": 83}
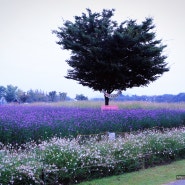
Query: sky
{"x": 31, "y": 59}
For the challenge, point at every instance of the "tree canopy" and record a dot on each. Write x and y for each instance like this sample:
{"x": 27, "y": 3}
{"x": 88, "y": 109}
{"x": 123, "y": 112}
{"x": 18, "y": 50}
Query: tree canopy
{"x": 108, "y": 56}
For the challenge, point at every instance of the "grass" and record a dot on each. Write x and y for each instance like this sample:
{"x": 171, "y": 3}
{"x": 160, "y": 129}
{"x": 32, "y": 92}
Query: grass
{"x": 159, "y": 175}
{"x": 120, "y": 104}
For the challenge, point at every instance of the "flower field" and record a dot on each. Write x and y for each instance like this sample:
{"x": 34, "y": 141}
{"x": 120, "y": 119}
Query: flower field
{"x": 21, "y": 124}
{"x": 40, "y": 144}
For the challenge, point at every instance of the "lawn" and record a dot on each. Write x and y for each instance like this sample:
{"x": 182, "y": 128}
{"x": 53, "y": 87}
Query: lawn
{"x": 153, "y": 176}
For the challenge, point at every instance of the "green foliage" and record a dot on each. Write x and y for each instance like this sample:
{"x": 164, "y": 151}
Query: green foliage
{"x": 105, "y": 55}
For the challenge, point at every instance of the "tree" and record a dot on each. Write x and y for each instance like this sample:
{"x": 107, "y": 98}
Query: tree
{"x": 36, "y": 96}
{"x": 52, "y": 95}
{"x": 107, "y": 56}
{"x": 2, "y": 91}
{"x": 22, "y": 96}
{"x": 81, "y": 97}
{"x": 10, "y": 93}
{"x": 63, "y": 96}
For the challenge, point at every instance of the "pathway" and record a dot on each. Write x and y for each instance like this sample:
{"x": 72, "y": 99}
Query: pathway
{"x": 177, "y": 182}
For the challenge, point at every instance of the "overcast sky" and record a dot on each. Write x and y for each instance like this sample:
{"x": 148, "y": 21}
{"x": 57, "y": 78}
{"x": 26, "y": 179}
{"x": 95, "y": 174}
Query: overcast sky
{"x": 31, "y": 59}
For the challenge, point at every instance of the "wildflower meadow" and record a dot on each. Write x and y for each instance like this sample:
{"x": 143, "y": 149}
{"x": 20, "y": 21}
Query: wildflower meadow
{"x": 59, "y": 144}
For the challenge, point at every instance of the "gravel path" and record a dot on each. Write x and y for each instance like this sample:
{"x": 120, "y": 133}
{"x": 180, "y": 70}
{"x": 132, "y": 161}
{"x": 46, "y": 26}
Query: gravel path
{"x": 177, "y": 182}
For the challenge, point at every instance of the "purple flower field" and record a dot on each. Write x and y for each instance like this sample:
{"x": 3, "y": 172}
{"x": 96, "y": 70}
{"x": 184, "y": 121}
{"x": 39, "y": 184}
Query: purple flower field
{"x": 20, "y": 124}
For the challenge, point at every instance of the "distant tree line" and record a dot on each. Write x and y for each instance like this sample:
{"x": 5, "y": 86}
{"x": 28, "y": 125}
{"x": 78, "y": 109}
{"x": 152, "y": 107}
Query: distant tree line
{"x": 160, "y": 98}
{"x": 157, "y": 98}
{"x": 14, "y": 94}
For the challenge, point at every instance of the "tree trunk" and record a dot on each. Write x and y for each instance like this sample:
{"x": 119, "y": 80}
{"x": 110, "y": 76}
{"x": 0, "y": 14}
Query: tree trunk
{"x": 106, "y": 100}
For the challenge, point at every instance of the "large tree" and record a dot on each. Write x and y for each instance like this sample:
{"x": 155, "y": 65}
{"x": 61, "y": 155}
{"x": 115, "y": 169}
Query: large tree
{"x": 107, "y": 56}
